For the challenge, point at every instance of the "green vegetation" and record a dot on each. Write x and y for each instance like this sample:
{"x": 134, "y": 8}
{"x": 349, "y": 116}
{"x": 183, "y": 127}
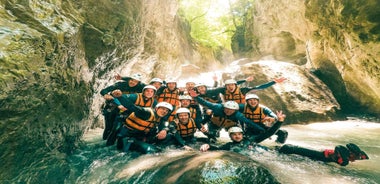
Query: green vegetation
{"x": 214, "y": 22}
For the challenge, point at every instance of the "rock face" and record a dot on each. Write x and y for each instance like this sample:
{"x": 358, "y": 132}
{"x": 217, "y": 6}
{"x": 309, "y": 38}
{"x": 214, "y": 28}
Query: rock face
{"x": 55, "y": 55}
{"x": 302, "y": 97}
{"x": 338, "y": 39}
{"x": 212, "y": 167}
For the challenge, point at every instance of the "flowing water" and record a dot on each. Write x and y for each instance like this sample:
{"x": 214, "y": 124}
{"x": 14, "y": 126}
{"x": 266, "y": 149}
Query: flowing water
{"x": 96, "y": 163}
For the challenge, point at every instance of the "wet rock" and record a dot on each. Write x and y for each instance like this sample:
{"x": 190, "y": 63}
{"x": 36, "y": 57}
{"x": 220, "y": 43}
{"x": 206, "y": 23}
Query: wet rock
{"x": 196, "y": 167}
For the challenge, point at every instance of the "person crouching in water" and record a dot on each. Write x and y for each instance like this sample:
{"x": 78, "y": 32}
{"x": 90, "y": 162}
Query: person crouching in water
{"x": 224, "y": 115}
{"x": 240, "y": 142}
{"x": 181, "y": 131}
{"x": 141, "y": 128}
{"x": 340, "y": 155}
{"x": 260, "y": 114}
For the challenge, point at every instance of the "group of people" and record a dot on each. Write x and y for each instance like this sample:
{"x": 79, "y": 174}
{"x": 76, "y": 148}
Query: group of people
{"x": 150, "y": 117}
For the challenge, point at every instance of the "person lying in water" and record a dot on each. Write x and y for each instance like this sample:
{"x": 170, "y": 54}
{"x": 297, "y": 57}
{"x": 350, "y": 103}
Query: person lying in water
{"x": 341, "y": 154}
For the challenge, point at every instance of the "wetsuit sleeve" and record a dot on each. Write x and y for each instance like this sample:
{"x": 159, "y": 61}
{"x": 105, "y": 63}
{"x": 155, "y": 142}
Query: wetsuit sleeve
{"x": 216, "y": 91}
{"x": 124, "y": 99}
{"x": 241, "y": 108}
{"x": 269, "y": 113}
{"x": 141, "y": 112}
{"x": 256, "y": 128}
{"x": 261, "y": 137}
{"x": 215, "y": 84}
{"x": 212, "y": 106}
{"x": 125, "y": 78}
{"x": 116, "y": 101}
{"x": 160, "y": 90}
{"x": 177, "y": 136}
{"x": 259, "y": 87}
{"x": 241, "y": 81}
{"x": 108, "y": 89}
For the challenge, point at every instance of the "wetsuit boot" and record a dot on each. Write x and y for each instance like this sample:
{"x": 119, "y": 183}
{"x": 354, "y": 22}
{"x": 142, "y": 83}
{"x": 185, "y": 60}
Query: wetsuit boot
{"x": 356, "y": 153}
{"x": 282, "y": 135}
{"x": 339, "y": 155}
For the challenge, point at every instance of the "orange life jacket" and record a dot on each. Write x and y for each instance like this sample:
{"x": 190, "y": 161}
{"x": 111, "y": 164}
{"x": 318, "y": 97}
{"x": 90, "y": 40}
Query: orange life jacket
{"x": 256, "y": 116}
{"x": 236, "y": 96}
{"x": 135, "y": 123}
{"x": 171, "y": 97}
{"x": 193, "y": 112}
{"x": 187, "y": 130}
{"x": 140, "y": 101}
{"x": 223, "y": 122}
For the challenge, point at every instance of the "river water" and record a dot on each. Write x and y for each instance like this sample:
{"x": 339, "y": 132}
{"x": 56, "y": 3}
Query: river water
{"x": 95, "y": 163}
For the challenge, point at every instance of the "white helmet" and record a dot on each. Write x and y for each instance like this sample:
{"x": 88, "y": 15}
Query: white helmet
{"x": 185, "y": 97}
{"x": 235, "y": 130}
{"x": 230, "y": 81}
{"x": 165, "y": 104}
{"x": 231, "y": 105}
{"x": 170, "y": 79}
{"x": 251, "y": 96}
{"x": 137, "y": 76}
{"x": 182, "y": 110}
{"x": 191, "y": 81}
{"x": 156, "y": 80}
{"x": 200, "y": 84}
{"x": 149, "y": 87}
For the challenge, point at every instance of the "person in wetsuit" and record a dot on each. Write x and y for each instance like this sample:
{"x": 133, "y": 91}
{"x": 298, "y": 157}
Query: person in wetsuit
{"x": 181, "y": 131}
{"x": 143, "y": 127}
{"x": 340, "y": 155}
{"x": 143, "y": 99}
{"x": 129, "y": 85}
{"x": 262, "y": 115}
{"x": 224, "y": 115}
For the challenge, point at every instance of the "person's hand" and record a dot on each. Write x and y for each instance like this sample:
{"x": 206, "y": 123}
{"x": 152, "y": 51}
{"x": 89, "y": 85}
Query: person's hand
{"x": 279, "y": 80}
{"x": 187, "y": 148}
{"x": 214, "y": 77}
{"x": 204, "y": 147}
{"x": 204, "y": 129}
{"x": 108, "y": 97}
{"x": 121, "y": 108}
{"x": 209, "y": 112}
{"x": 161, "y": 135}
{"x": 268, "y": 121}
{"x": 117, "y": 76}
{"x": 193, "y": 93}
{"x": 117, "y": 93}
{"x": 249, "y": 79}
{"x": 281, "y": 117}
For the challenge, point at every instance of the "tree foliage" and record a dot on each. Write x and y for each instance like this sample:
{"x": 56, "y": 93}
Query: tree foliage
{"x": 214, "y": 22}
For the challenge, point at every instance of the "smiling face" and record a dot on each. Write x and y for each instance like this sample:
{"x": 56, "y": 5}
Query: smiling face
{"x": 185, "y": 103}
{"x": 190, "y": 85}
{"x": 156, "y": 84}
{"x": 228, "y": 111}
{"x": 132, "y": 82}
{"x": 148, "y": 93}
{"x": 231, "y": 87}
{"x": 162, "y": 111}
{"x": 236, "y": 137}
{"x": 253, "y": 102}
{"x": 171, "y": 85}
{"x": 201, "y": 90}
{"x": 183, "y": 118}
